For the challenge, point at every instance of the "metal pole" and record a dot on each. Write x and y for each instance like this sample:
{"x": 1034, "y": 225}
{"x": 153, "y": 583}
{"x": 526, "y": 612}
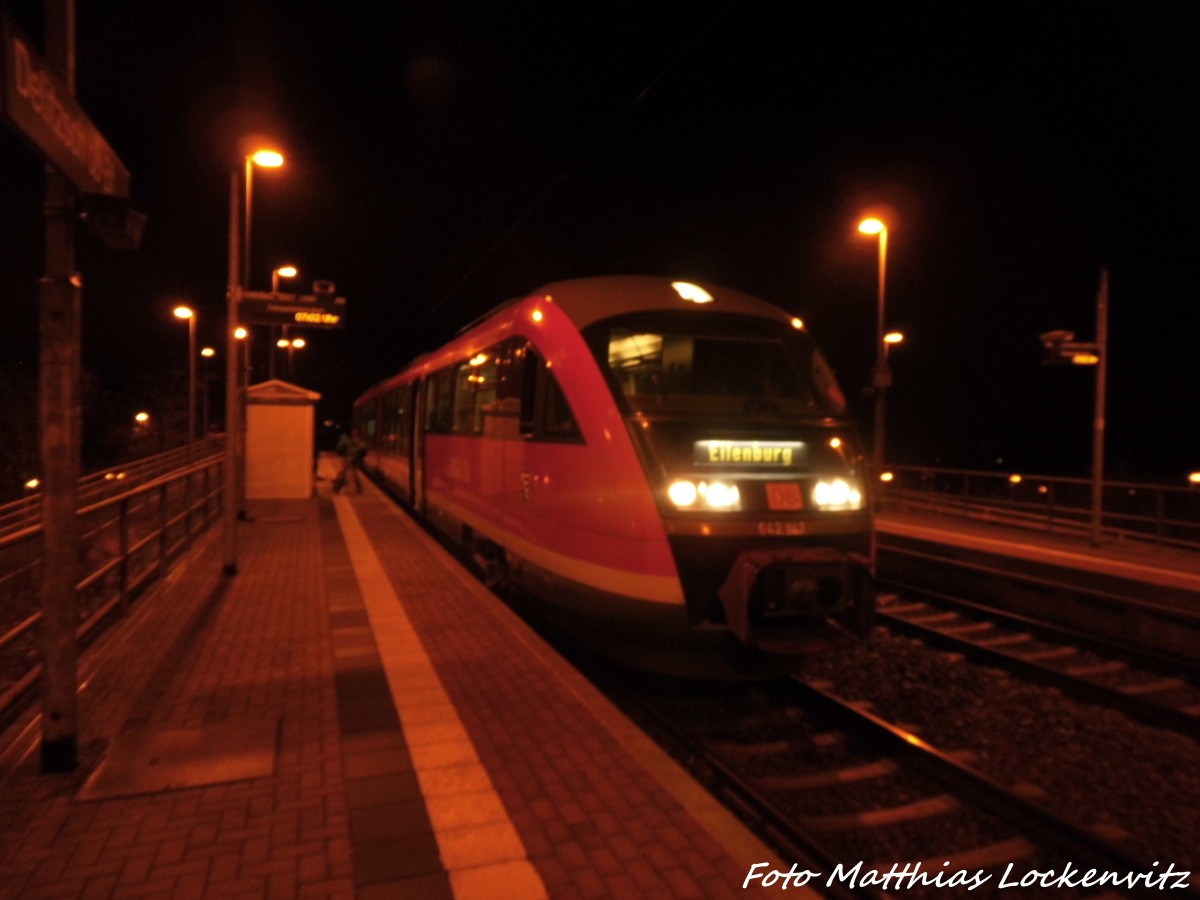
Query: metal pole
{"x": 191, "y": 386}
{"x": 249, "y": 359}
{"x": 204, "y": 401}
{"x": 1098, "y": 421}
{"x": 232, "y": 378}
{"x": 882, "y": 375}
{"x": 272, "y": 349}
{"x": 243, "y": 394}
{"x": 60, "y": 302}
{"x": 249, "y": 200}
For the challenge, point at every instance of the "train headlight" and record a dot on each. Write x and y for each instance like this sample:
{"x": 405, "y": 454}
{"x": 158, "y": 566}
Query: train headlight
{"x": 836, "y": 493}
{"x": 708, "y": 494}
{"x": 719, "y": 495}
{"x": 683, "y": 493}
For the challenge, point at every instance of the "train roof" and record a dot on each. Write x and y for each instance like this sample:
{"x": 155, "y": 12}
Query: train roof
{"x": 588, "y": 300}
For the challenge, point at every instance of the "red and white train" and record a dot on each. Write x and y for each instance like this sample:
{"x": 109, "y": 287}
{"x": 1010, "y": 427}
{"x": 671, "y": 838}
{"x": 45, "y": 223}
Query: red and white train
{"x": 666, "y": 466}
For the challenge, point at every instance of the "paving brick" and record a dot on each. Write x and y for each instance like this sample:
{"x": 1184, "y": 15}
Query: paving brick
{"x": 578, "y": 814}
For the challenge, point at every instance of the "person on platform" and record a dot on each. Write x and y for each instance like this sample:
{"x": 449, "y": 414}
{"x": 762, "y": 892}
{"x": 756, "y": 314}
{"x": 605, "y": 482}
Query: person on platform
{"x": 351, "y": 450}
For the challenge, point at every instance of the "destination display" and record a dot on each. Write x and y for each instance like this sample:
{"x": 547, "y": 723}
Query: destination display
{"x": 753, "y": 453}
{"x": 296, "y": 310}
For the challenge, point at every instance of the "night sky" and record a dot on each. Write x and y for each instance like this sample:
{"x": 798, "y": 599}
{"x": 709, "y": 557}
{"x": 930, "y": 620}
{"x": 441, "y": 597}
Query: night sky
{"x": 444, "y": 157}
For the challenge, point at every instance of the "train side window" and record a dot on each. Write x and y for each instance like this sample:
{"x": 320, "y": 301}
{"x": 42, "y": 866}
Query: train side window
{"x": 558, "y": 422}
{"x": 531, "y": 363}
{"x": 464, "y": 399}
{"x": 439, "y": 402}
{"x": 545, "y": 412}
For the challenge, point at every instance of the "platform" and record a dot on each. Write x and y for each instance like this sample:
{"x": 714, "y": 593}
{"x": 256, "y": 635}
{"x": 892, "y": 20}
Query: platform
{"x": 1171, "y": 573}
{"x": 351, "y": 715}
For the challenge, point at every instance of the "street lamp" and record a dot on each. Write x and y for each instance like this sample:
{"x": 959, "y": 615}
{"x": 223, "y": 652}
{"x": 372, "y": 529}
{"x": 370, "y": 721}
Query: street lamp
{"x": 266, "y": 159}
{"x": 282, "y": 272}
{"x": 1061, "y": 347}
{"x": 287, "y": 271}
{"x": 290, "y": 344}
{"x": 186, "y": 312}
{"x": 206, "y": 353}
{"x": 882, "y": 378}
{"x": 239, "y": 245}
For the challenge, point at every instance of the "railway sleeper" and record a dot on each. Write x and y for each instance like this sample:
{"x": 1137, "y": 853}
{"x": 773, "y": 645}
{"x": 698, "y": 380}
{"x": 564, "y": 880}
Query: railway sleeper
{"x": 810, "y": 780}
{"x": 941, "y": 805}
{"x": 990, "y": 856}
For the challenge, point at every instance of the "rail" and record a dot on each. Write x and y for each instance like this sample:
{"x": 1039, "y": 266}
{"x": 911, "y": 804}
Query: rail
{"x": 1155, "y": 514}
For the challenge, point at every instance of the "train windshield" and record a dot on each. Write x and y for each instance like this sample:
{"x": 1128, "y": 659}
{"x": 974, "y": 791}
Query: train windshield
{"x": 729, "y": 366}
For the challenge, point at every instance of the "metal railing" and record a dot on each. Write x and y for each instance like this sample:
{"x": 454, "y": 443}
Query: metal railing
{"x": 127, "y": 538}
{"x": 1155, "y": 514}
{"x": 109, "y": 482}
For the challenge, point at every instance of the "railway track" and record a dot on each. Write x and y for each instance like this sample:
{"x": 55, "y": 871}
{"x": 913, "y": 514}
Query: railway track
{"x": 871, "y": 805}
{"x": 1157, "y": 691}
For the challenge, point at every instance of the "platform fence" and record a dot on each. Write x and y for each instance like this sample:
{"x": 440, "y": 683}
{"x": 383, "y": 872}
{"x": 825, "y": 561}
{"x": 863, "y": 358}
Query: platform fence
{"x": 131, "y": 526}
{"x": 1152, "y": 514}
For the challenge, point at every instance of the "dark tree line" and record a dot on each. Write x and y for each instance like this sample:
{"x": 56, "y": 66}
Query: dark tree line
{"x": 111, "y": 436}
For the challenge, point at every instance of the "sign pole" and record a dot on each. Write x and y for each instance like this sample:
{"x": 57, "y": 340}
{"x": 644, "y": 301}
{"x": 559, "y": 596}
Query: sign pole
{"x": 1098, "y": 408}
{"x": 60, "y": 319}
{"x": 232, "y": 381}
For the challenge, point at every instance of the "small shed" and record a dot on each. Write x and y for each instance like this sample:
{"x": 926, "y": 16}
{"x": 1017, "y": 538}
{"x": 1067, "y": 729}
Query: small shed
{"x": 280, "y": 456}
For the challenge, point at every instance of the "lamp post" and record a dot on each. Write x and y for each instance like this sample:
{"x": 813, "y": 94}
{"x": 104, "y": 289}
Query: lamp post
{"x": 186, "y": 312}
{"x": 882, "y": 378}
{"x": 290, "y": 344}
{"x": 206, "y": 354}
{"x": 238, "y": 270}
{"x": 286, "y": 271}
{"x": 1061, "y": 347}
{"x": 282, "y": 272}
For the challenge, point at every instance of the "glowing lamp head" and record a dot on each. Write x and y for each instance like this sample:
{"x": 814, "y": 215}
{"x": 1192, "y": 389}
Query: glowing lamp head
{"x": 183, "y": 312}
{"x": 871, "y": 226}
{"x": 208, "y": 352}
{"x": 298, "y": 343}
{"x": 240, "y": 333}
{"x": 287, "y": 271}
{"x": 267, "y": 159}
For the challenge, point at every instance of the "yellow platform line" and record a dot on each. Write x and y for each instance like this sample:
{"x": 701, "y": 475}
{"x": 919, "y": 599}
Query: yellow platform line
{"x": 479, "y": 846}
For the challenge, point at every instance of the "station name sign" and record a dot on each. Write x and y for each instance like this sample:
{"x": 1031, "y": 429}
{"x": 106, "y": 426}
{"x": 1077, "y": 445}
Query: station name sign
{"x": 296, "y": 310}
{"x": 39, "y": 106}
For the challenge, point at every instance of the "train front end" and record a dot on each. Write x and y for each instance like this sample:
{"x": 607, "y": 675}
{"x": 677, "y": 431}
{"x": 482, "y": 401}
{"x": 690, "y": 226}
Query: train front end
{"x": 755, "y": 466}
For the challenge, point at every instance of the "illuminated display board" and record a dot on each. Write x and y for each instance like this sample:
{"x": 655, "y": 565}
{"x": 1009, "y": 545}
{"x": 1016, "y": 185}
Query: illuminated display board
{"x": 753, "y": 453}
{"x": 296, "y": 310}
